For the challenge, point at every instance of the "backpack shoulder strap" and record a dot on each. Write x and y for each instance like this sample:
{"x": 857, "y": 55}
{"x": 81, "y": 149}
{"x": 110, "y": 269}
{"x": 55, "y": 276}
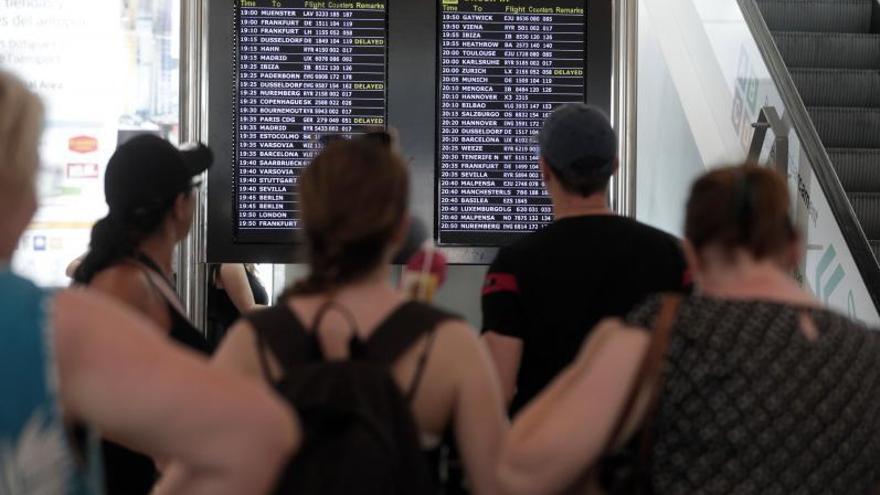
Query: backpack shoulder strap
{"x": 403, "y": 328}
{"x": 401, "y": 331}
{"x": 279, "y": 330}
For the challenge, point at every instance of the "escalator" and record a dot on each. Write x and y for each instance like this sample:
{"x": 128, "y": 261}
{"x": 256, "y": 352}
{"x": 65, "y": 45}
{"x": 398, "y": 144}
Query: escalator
{"x": 793, "y": 84}
{"x": 834, "y": 60}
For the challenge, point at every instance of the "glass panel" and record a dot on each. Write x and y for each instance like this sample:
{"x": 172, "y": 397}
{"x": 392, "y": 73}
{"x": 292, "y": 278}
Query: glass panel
{"x": 702, "y": 83}
{"x": 106, "y": 70}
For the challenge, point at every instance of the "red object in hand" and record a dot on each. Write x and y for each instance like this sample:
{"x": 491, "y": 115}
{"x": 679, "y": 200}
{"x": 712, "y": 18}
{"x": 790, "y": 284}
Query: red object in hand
{"x": 437, "y": 264}
{"x": 424, "y": 274}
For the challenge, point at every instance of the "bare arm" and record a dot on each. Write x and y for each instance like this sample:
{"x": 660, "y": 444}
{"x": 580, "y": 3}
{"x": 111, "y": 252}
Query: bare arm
{"x": 479, "y": 416}
{"x": 238, "y": 352}
{"x": 223, "y": 434}
{"x": 237, "y": 287}
{"x": 549, "y": 448}
{"x": 506, "y": 354}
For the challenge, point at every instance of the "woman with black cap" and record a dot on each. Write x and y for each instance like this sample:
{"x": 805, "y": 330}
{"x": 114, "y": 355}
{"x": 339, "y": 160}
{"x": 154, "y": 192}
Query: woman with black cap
{"x": 148, "y": 187}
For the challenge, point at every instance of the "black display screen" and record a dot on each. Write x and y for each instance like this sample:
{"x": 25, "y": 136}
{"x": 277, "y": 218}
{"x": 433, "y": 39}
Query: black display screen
{"x": 306, "y": 71}
{"x": 505, "y": 65}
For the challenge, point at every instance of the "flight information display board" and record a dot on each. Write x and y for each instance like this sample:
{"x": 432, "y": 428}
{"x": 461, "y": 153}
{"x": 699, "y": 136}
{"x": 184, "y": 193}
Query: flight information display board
{"x": 505, "y": 65}
{"x": 305, "y": 70}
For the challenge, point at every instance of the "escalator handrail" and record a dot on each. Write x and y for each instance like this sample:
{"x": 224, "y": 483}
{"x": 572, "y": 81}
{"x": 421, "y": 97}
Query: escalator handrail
{"x": 811, "y": 143}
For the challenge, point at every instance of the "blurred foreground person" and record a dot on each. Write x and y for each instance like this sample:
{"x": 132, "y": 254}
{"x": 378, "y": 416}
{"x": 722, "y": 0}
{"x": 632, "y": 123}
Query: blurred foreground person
{"x": 75, "y": 357}
{"x": 149, "y": 191}
{"x": 749, "y": 387}
{"x": 380, "y": 379}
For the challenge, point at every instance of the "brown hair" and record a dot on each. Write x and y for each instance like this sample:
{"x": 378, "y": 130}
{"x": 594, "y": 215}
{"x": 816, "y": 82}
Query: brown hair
{"x": 744, "y": 207}
{"x": 353, "y": 197}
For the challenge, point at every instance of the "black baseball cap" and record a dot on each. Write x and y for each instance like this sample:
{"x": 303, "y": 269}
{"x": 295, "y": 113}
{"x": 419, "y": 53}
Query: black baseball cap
{"x": 577, "y": 140}
{"x": 149, "y": 171}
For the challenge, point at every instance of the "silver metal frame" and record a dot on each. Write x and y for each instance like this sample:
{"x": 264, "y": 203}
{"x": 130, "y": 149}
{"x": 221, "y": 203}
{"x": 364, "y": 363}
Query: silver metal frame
{"x": 191, "y": 267}
{"x": 769, "y": 120}
{"x": 625, "y": 103}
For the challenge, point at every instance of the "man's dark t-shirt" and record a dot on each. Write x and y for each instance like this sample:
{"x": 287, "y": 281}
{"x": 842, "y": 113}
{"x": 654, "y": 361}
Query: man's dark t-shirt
{"x": 552, "y": 287}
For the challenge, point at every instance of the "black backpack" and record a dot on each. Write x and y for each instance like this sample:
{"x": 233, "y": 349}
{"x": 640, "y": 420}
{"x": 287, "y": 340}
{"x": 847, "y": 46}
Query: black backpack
{"x": 359, "y": 433}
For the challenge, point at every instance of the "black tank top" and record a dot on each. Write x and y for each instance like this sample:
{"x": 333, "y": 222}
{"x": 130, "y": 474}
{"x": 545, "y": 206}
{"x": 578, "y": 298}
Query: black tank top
{"x": 182, "y": 331}
{"x": 222, "y": 312}
{"x": 127, "y": 472}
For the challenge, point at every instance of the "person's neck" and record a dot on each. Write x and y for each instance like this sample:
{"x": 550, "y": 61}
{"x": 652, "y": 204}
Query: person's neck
{"x": 763, "y": 280}
{"x": 160, "y": 250}
{"x": 379, "y": 279}
{"x": 569, "y": 206}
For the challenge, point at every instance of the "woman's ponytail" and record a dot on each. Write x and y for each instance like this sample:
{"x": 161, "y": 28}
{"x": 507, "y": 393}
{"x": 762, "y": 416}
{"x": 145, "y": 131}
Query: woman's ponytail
{"x": 116, "y": 237}
{"x": 108, "y": 245}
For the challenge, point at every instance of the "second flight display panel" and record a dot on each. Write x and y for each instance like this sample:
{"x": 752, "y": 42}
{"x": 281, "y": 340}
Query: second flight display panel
{"x": 505, "y": 65}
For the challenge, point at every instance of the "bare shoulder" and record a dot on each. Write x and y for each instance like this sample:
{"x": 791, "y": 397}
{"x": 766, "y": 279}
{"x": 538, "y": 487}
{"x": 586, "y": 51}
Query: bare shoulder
{"x": 458, "y": 333}
{"x": 123, "y": 280}
{"x": 458, "y": 343}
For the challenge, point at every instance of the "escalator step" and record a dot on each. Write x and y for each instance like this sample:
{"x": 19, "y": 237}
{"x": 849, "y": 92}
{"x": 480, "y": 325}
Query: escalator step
{"x": 858, "y": 169}
{"x": 841, "y": 16}
{"x": 838, "y": 88}
{"x": 829, "y": 50}
{"x": 867, "y": 208}
{"x": 842, "y": 127}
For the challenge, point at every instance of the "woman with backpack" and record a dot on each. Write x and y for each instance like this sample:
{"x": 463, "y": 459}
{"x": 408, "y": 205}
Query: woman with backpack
{"x": 379, "y": 380}
{"x": 750, "y": 386}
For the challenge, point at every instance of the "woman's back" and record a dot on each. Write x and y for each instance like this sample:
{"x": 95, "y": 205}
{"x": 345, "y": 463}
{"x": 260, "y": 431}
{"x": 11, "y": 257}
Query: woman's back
{"x": 350, "y": 245}
{"x": 35, "y": 455}
{"x": 454, "y": 358}
{"x": 752, "y": 404}
{"x": 457, "y": 387}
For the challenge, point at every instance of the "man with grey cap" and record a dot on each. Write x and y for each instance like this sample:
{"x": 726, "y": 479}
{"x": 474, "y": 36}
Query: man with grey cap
{"x": 543, "y": 294}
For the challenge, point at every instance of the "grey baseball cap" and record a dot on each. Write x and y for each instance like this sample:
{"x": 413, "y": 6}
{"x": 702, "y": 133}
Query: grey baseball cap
{"x": 577, "y": 139}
